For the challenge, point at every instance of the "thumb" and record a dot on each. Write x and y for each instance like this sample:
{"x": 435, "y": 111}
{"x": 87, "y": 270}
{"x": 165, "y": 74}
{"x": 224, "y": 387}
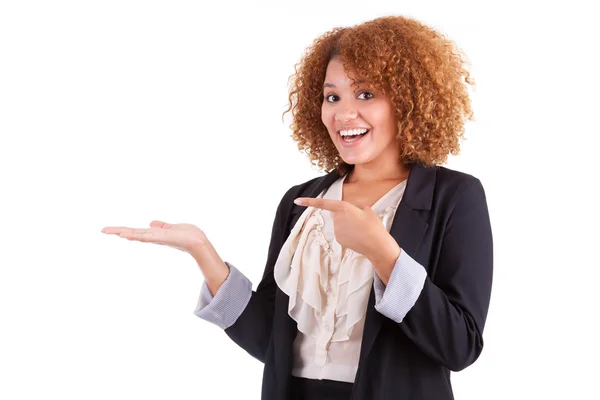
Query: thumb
{"x": 160, "y": 224}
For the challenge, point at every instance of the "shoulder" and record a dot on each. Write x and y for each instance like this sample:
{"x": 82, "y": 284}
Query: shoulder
{"x": 452, "y": 179}
{"x": 299, "y": 190}
{"x": 438, "y": 188}
{"x": 454, "y": 187}
{"x": 287, "y": 208}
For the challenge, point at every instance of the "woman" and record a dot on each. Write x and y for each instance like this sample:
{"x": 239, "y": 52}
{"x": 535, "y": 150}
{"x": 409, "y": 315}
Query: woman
{"x": 379, "y": 273}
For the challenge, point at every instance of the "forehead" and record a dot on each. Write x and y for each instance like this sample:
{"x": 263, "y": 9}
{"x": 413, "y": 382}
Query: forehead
{"x": 337, "y": 75}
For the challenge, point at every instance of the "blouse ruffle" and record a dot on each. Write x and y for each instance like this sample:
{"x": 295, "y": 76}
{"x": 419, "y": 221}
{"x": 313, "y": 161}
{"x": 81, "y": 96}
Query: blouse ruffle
{"x": 307, "y": 258}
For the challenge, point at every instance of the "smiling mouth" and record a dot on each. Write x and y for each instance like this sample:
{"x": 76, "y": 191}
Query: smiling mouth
{"x": 353, "y": 138}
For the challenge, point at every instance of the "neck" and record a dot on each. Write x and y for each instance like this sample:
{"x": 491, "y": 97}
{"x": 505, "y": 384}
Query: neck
{"x": 369, "y": 173}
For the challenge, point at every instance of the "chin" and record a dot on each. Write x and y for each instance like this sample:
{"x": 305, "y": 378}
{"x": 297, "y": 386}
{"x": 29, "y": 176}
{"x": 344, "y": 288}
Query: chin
{"x": 354, "y": 156}
{"x": 355, "y": 159}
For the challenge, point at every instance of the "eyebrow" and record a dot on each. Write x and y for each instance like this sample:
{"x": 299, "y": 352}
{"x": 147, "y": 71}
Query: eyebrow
{"x": 331, "y": 85}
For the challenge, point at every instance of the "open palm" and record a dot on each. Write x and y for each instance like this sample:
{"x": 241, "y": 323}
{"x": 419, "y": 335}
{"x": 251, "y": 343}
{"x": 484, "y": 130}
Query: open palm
{"x": 184, "y": 237}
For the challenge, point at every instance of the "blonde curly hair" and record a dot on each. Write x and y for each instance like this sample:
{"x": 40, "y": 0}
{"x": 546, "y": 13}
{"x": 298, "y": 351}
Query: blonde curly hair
{"x": 418, "y": 69}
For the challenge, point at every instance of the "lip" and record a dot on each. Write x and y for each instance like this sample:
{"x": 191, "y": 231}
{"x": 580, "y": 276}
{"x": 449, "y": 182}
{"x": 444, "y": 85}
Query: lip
{"x": 355, "y": 142}
{"x": 348, "y": 128}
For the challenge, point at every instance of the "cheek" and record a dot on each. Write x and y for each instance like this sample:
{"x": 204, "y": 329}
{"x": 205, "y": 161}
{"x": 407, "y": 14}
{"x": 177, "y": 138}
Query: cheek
{"x": 327, "y": 117}
{"x": 323, "y": 113}
{"x": 383, "y": 116}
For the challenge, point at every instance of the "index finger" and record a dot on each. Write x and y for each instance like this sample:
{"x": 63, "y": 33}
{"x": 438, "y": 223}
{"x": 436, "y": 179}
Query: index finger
{"x": 325, "y": 204}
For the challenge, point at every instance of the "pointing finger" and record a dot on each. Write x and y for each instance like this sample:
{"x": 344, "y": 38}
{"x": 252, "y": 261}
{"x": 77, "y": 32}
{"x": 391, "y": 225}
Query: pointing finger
{"x": 325, "y": 204}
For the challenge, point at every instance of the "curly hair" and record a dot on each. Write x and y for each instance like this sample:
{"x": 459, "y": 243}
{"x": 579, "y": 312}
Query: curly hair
{"x": 418, "y": 69}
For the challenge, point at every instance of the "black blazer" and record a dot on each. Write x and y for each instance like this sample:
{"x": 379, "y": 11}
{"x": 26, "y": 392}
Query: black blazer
{"x": 442, "y": 222}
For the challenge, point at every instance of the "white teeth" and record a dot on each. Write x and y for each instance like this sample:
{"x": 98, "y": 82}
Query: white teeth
{"x": 352, "y": 132}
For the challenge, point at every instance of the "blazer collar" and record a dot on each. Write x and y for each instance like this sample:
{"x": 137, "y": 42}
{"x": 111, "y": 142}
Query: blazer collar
{"x": 419, "y": 188}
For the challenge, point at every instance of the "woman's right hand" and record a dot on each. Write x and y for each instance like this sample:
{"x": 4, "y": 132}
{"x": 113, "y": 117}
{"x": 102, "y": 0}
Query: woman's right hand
{"x": 185, "y": 237}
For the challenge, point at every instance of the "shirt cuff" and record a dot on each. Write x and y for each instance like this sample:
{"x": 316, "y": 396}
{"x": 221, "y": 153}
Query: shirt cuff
{"x": 403, "y": 289}
{"x": 225, "y": 307}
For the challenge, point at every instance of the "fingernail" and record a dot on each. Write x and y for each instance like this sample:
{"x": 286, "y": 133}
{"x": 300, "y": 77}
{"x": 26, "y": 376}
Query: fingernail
{"x": 298, "y": 201}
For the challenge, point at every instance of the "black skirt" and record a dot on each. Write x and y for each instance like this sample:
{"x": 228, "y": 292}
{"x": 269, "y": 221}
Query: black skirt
{"x": 320, "y": 389}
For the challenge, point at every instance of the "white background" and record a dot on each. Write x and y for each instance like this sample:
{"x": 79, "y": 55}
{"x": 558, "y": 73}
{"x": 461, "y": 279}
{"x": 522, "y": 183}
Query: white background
{"x": 121, "y": 112}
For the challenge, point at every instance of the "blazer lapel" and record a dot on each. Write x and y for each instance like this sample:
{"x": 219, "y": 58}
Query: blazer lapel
{"x": 408, "y": 228}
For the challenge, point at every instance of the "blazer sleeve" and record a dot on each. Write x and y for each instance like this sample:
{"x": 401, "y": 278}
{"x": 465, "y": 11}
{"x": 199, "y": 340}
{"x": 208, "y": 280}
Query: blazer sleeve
{"x": 225, "y": 307}
{"x": 253, "y": 328}
{"x": 447, "y": 320}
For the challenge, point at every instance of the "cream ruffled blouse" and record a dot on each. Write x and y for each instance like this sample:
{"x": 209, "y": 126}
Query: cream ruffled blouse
{"x": 329, "y": 289}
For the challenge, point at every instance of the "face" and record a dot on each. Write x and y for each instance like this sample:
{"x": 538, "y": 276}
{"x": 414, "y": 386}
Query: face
{"x": 348, "y": 111}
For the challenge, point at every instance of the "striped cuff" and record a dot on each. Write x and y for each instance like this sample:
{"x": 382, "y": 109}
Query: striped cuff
{"x": 229, "y": 302}
{"x": 403, "y": 289}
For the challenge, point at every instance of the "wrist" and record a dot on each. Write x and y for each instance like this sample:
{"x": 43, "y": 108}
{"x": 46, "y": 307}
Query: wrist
{"x": 201, "y": 247}
{"x": 213, "y": 268}
{"x": 384, "y": 256}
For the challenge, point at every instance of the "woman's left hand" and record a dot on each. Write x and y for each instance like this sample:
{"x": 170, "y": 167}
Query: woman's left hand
{"x": 359, "y": 229}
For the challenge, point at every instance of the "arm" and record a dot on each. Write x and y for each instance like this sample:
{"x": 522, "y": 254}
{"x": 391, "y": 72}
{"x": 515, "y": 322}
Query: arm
{"x": 445, "y": 317}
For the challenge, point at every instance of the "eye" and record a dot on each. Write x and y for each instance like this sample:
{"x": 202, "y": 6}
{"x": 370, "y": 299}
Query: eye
{"x": 331, "y": 98}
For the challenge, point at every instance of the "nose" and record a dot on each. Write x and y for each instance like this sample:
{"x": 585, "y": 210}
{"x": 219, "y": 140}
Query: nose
{"x": 346, "y": 114}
